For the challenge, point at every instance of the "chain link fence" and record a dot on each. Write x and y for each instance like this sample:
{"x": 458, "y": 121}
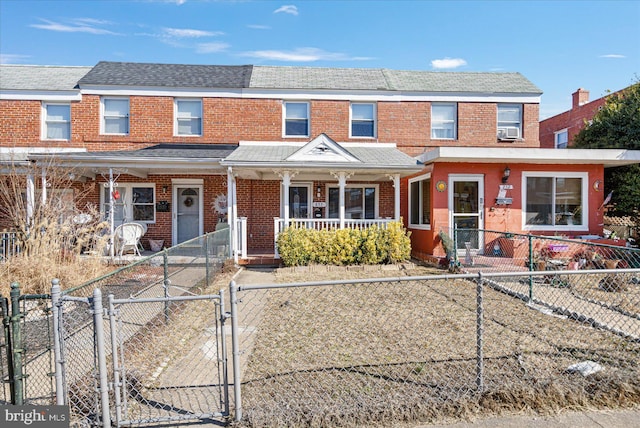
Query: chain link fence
{"x": 406, "y": 349}
{"x": 182, "y": 270}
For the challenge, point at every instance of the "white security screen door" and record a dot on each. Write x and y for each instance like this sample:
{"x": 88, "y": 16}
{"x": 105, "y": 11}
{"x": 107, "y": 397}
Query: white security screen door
{"x": 466, "y": 207}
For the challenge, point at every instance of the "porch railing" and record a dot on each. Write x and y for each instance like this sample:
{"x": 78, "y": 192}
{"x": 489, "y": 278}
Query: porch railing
{"x": 241, "y": 228}
{"x": 325, "y": 223}
{"x": 9, "y": 244}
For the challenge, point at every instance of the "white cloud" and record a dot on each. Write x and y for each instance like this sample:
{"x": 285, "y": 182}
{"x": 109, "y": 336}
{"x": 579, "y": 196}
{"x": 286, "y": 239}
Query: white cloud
{"x": 259, "y": 27}
{"x": 211, "y": 47}
{"x": 612, "y": 56}
{"x": 189, "y": 33}
{"x": 80, "y": 25}
{"x": 301, "y": 55}
{"x": 289, "y": 8}
{"x": 12, "y": 58}
{"x": 448, "y": 63}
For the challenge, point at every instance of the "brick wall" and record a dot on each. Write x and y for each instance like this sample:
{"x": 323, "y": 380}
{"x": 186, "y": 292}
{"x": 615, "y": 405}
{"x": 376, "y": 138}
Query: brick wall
{"x": 573, "y": 120}
{"x": 229, "y": 120}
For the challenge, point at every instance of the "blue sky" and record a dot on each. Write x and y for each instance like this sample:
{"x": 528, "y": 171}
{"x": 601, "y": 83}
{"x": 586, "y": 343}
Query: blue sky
{"x": 559, "y": 45}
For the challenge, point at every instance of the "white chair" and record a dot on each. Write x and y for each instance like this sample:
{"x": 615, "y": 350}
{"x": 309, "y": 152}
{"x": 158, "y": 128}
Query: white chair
{"x": 127, "y": 237}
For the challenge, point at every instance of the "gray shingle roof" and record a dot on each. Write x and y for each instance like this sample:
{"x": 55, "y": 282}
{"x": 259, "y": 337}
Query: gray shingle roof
{"x": 166, "y": 150}
{"x": 369, "y": 156}
{"x": 269, "y": 77}
{"x": 168, "y": 75}
{"x": 107, "y": 73}
{"x": 40, "y": 78}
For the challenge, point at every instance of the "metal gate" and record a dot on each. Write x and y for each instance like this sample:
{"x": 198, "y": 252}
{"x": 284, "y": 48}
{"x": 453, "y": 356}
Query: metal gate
{"x": 141, "y": 360}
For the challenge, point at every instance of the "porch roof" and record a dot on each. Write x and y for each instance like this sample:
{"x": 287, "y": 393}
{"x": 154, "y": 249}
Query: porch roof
{"x": 370, "y": 161}
{"x": 164, "y": 158}
{"x": 606, "y": 157}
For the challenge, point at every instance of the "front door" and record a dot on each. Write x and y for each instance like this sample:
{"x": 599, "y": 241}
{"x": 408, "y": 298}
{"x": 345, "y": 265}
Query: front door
{"x": 466, "y": 209}
{"x": 187, "y": 213}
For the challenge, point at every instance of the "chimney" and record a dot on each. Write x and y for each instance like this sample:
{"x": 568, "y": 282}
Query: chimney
{"x": 580, "y": 97}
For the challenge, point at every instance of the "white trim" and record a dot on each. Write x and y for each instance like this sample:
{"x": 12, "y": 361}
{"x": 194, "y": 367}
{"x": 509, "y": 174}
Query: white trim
{"x": 375, "y": 120}
{"x": 56, "y": 96}
{"x": 187, "y": 181}
{"x": 45, "y": 150}
{"x": 306, "y": 184}
{"x": 351, "y": 186}
{"x": 175, "y": 185}
{"x": 419, "y": 179}
{"x": 128, "y": 202}
{"x": 584, "y": 206}
{"x": 175, "y": 117}
{"x": 479, "y": 178}
{"x": 284, "y": 119}
{"x": 43, "y": 117}
{"x": 102, "y": 118}
{"x": 555, "y": 137}
{"x": 607, "y": 157}
{"x": 319, "y": 94}
{"x": 455, "y": 120}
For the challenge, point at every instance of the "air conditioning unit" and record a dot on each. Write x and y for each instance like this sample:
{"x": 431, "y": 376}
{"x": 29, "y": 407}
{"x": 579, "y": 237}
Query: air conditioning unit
{"x": 508, "y": 133}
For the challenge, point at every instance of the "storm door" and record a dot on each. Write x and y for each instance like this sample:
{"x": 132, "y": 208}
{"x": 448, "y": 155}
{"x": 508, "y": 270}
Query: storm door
{"x": 466, "y": 207}
{"x": 187, "y": 213}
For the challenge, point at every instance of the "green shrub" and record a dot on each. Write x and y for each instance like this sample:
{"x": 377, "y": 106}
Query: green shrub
{"x": 299, "y": 246}
{"x": 398, "y": 242}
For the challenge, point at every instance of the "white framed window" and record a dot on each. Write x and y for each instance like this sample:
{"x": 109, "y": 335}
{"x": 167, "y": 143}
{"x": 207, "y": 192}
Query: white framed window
{"x": 56, "y": 121}
{"x": 420, "y": 202}
{"x": 444, "y": 121}
{"x": 135, "y": 202}
{"x": 188, "y": 114}
{"x": 561, "y": 139}
{"x": 115, "y": 116}
{"x": 296, "y": 119}
{"x": 509, "y": 121}
{"x": 363, "y": 120}
{"x": 555, "y": 201}
{"x": 360, "y": 201}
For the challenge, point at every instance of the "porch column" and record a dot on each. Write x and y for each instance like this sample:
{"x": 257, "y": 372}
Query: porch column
{"x": 44, "y": 186}
{"x": 31, "y": 190}
{"x": 232, "y": 214}
{"x": 396, "y": 203}
{"x": 112, "y": 206}
{"x": 286, "y": 182}
{"x": 342, "y": 177}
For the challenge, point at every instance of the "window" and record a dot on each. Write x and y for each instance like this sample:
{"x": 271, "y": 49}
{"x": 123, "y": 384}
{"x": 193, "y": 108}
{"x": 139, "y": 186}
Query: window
{"x": 562, "y": 139}
{"x": 135, "y": 202}
{"x": 57, "y": 121}
{"x": 188, "y": 114}
{"x": 363, "y": 120}
{"x": 115, "y": 114}
{"x": 443, "y": 121}
{"x": 359, "y": 202}
{"x": 420, "y": 201}
{"x": 509, "y": 121}
{"x": 296, "y": 119}
{"x": 555, "y": 201}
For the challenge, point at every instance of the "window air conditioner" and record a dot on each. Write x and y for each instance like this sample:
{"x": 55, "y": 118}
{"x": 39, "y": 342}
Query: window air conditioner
{"x": 508, "y": 133}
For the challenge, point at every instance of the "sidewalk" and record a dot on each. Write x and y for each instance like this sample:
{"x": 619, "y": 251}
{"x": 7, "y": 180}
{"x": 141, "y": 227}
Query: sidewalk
{"x": 587, "y": 419}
